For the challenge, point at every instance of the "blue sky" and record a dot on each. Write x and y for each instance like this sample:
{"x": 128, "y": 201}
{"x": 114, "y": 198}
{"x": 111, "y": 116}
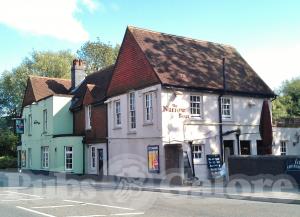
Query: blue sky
{"x": 266, "y": 33}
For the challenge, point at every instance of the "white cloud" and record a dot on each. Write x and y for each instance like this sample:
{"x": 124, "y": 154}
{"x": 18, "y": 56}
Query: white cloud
{"x": 53, "y": 18}
{"x": 275, "y": 63}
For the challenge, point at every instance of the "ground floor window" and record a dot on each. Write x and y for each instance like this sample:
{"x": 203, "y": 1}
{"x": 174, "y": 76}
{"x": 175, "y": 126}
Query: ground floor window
{"x": 282, "y": 147}
{"x": 29, "y": 158}
{"x": 68, "y": 157}
{"x": 93, "y": 157}
{"x": 198, "y": 152}
{"x": 45, "y": 157}
{"x": 245, "y": 147}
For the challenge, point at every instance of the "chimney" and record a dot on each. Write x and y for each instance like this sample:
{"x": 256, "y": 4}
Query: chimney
{"x": 77, "y": 72}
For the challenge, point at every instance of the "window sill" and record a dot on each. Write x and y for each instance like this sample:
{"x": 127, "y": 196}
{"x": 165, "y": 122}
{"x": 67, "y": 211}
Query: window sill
{"x": 117, "y": 128}
{"x": 131, "y": 132}
{"x": 196, "y": 118}
{"x": 227, "y": 119}
{"x": 148, "y": 123}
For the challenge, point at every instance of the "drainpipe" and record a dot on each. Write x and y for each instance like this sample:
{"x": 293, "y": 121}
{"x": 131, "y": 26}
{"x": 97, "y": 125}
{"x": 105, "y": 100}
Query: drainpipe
{"x": 83, "y": 157}
{"x": 192, "y": 158}
{"x": 220, "y": 111}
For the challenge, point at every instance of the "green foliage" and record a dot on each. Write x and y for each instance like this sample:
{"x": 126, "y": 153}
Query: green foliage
{"x": 8, "y": 162}
{"x": 287, "y": 103}
{"x": 13, "y": 83}
{"x": 98, "y": 55}
{"x": 8, "y": 143}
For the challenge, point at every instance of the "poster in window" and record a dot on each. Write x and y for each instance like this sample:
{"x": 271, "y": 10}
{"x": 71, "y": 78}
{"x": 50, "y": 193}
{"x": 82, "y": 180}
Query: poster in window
{"x": 20, "y": 126}
{"x": 153, "y": 158}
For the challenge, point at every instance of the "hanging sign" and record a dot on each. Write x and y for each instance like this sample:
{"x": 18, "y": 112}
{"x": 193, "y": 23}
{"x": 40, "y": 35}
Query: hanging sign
{"x": 153, "y": 158}
{"x": 20, "y": 126}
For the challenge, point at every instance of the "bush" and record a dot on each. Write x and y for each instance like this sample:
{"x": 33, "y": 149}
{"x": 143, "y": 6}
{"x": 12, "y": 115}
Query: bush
{"x": 7, "y": 162}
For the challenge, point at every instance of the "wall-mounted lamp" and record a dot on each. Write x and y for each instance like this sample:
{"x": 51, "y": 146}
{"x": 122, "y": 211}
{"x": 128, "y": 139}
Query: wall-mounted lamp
{"x": 36, "y": 122}
{"x": 251, "y": 104}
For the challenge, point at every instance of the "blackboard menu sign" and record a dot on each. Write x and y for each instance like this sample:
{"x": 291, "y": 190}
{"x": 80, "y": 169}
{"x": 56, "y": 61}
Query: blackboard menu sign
{"x": 214, "y": 164}
{"x": 293, "y": 164}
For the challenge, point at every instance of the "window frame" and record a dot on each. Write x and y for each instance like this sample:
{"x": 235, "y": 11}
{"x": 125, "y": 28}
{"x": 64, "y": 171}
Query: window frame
{"x": 45, "y": 152}
{"x": 198, "y": 160}
{"x": 29, "y": 124}
{"x": 117, "y": 113}
{"x": 283, "y": 147}
{"x": 88, "y": 117}
{"x": 93, "y": 157}
{"x": 132, "y": 111}
{"x": 200, "y": 102}
{"x": 72, "y": 159}
{"x": 45, "y": 121}
{"x": 230, "y": 109}
{"x": 148, "y": 108}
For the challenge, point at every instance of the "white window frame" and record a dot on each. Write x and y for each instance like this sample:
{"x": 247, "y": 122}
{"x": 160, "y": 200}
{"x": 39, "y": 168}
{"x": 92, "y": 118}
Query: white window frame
{"x": 45, "y": 157}
{"x": 148, "y": 108}
{"x": 117, "y": 113}
{"x": 198, "y": 153}
{"x": 29, "y": 157}
{"x": 195, "y": 108}
{"x": 283, "y": 147}
{"x": 93, "y": 157}
{"x": 29, "y": 124}
{"x": 45, "y": 120}
{"x": 88, "y": 117}
{"x": 132, "y": 111}
{"x": 226, "y": 107}
{"x": 67, "y": 152}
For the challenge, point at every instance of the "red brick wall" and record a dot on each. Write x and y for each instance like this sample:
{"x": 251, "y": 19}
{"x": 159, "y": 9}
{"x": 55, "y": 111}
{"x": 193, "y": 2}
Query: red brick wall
{"x": 132, "y": 70}
{"x": 98, "y": 133}
{"x": 79, "y": 122}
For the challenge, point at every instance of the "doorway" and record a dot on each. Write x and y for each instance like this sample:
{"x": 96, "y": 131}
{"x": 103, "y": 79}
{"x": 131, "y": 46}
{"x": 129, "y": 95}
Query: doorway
{"x": 173, "y": 158}
{"x": 230, "y": 145}
{"x": 100, "y": 161}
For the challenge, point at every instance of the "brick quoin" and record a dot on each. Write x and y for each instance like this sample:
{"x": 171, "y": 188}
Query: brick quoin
{"x": 132, "y": 70}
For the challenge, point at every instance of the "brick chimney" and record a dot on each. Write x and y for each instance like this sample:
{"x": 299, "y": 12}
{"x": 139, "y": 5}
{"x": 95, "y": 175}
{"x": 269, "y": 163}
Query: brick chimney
{"x": 77, "y": 72}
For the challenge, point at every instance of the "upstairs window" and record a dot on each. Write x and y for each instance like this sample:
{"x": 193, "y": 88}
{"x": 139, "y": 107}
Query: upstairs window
{"x": 88, "y": 117}
{"x": 148, "y": 107}
{"x": 30, "y": 124}
{"x": 226, "y": 107}
{"x": 195, "y": 106}
{"x": 45, "y": 121}
{"x": 282, "y": 147}
{"x": 117, "y": 108}
{"x": 132, "y": 113}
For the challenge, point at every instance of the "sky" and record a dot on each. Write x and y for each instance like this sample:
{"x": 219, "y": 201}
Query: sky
{"x": 265, "y": 32}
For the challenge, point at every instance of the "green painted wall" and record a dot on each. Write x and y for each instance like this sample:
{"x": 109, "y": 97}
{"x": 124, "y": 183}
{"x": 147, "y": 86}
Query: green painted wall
{"x": 60, "y": 121}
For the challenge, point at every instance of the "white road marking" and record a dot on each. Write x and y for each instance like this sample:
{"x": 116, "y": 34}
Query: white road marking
{"x": 31, "y": 195}
{"x": 49, "y": 207}
{"x": 36, "y": 212}
{"x": 133, "y": 213}
{"x": 95, "y": 204}
{"x": 24, "y": 199}
{"x": 87, "y": 216}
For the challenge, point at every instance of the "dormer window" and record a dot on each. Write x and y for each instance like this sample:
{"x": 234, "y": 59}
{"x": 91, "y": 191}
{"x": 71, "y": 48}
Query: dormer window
{"x": 88, "y": 117}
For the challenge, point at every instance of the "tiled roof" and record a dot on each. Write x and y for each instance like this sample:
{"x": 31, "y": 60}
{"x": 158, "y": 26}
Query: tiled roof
{"x": 39, "y": 88}
{"x": 97, "y": 83}
{"x": 185, "y": 62}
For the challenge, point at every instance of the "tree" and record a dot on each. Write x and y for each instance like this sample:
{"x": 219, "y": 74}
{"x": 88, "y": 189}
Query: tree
{"x": 98, "y": 54}
{"x": 8, "y": 143}
{"x": 45, "y": 63}
{"x": 287, "y": 103}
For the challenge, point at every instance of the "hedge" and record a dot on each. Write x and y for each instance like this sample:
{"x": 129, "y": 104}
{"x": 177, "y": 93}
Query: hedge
{"x": 7, "y": 162}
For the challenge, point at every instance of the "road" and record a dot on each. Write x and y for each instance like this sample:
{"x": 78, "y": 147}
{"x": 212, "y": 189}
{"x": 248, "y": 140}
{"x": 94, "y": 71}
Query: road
{"x": 88, "y": 201}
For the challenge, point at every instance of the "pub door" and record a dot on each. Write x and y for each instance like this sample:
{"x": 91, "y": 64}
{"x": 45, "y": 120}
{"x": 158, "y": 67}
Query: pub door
{"x": 173, "y": 157}
{"x": 100, "y": 162}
